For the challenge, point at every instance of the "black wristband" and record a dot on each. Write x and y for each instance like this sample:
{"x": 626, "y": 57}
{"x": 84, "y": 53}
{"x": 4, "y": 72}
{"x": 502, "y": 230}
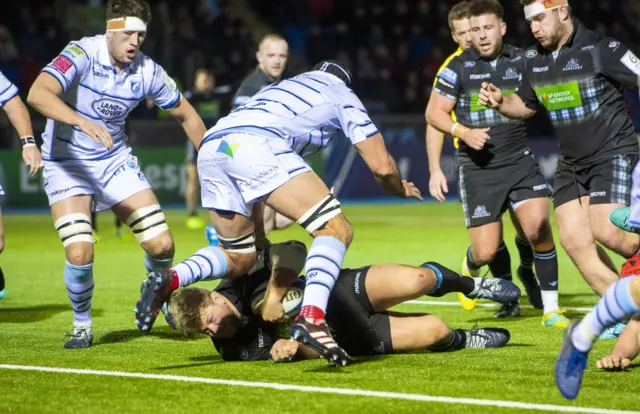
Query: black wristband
{"x": 27, "y": 141}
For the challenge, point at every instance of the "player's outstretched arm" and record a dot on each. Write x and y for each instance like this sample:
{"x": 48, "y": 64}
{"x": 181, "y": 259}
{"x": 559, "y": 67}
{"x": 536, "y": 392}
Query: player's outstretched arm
{"x": 511, "y": 106}
{"x": 384, "y": 168}
{"x": 44, "y": 97}
{"x": 626, "y": 348}
{"x": 21, "y": 121}
{"x": 191, "y": 122}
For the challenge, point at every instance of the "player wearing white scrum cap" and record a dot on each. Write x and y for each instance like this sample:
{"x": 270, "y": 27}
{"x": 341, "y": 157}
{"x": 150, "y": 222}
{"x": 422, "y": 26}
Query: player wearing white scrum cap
{"x": 86, "y": 93}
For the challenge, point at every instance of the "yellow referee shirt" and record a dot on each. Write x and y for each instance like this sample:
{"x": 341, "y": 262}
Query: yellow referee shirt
{"x": 444, "y": 65}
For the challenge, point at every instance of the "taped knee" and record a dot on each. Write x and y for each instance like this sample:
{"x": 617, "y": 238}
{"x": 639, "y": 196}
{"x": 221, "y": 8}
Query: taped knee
{"x": 147, "y": 222}
{"x": 244, "y": 244}
{"x": 74, "y": 228}
{"x": 320, "y": 214}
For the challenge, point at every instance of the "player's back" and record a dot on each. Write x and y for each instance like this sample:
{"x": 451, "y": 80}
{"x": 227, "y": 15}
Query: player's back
{"x": 307, "y": 111}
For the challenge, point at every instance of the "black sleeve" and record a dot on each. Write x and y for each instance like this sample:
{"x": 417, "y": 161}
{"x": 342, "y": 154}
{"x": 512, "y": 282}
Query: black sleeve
{"x": 251, "y": 343}
{"x": 524, "y": 90}
{"x": 619, "y": 63}
{"x": 449, "y": 79}
{"x": 247, "y": 89}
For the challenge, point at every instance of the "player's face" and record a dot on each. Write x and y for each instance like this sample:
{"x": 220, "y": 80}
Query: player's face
{"x": 547, "y": 28}
{"x": 272, "y": 58}
{"x": 486, "y": 33}
{"x": 123, "y": 46}
{"x": 462, "y": 32}
{"x": 218, "y": 319}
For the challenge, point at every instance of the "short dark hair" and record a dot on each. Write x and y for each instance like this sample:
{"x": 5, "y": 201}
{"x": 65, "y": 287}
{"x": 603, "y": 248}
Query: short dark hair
{"x": 458, "y": 12}
{"x": 480, "y": 7}
{"x": 129, "y": 8}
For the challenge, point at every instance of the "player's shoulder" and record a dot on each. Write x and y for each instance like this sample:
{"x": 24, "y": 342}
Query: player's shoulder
{"x": 88, "y": 46}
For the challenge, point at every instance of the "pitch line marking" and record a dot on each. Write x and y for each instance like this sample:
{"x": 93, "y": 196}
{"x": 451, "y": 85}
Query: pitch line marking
{"x": 484, "y": 305}
{"x": 326, "y": 390}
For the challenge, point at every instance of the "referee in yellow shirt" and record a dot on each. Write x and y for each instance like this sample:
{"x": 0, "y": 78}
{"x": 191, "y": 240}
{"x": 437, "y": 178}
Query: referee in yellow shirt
{"x": 460, "y": 26}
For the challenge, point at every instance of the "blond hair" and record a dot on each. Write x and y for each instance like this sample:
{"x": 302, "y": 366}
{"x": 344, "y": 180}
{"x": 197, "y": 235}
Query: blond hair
{"x": 458, "y": 12}
{"x": 186, "y": 305}
{"x": 272, "y": 37}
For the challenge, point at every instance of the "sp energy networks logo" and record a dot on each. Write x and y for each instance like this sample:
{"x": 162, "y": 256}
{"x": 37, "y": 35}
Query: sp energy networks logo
{"x": 557, "y": 97}
{"x": 226, "y": 149}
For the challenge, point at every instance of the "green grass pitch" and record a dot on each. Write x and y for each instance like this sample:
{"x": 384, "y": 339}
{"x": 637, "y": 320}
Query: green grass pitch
{"x": 35, "y": 314}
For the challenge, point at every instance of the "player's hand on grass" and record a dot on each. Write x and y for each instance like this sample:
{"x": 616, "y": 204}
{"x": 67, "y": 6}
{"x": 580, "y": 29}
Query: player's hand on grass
{"x": 438, "y": 185}
{"x": 410, "y": 190}
{"x": 284, "y": 350}
{"x": 97, "y": 133}
{"x": 490, "y": 96}
{"x": 613, "y": 363}
{"x": 32, "y": 158}
{"x": 272, "y": 310}
{"x": 476, "y": 138}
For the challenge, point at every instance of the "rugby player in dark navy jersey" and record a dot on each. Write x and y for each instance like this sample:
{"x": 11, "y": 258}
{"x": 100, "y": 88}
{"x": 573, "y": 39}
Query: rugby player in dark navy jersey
{"x": 578, "y": 77}
{"x": 497, "y": 170}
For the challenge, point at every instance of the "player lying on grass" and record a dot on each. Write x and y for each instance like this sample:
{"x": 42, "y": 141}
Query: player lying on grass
{"x": 357, "y": 310}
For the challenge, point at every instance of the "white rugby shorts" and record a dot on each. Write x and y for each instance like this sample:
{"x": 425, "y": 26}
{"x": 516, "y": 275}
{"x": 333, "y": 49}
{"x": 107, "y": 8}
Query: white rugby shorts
{"x": 110, "y": 180}
{"x": 239, "y": 168}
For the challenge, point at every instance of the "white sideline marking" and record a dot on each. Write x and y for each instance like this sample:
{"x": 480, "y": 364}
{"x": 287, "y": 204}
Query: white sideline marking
{"x": 484, "y": 305}
{"x": 327, "y": 390}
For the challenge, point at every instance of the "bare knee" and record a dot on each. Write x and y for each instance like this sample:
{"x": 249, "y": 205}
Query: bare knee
{"x": 338, "y": 227}
{"x": 539, "y": 233}
{"x": 160, "y": 247}
{"x": 484, "y": 254}
{"x": 80, "y": 254}
{"x": 1, "y": 243}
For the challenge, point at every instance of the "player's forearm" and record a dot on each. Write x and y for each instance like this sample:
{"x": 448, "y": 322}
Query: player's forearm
{"x": 513, "y": 107}
{"x": 19, "y": 116}
{"x": 389, "y": 179}
{"x": 435, "y": 141}
{"x": 51, "y": 106}
{"x": 195, "y": 129}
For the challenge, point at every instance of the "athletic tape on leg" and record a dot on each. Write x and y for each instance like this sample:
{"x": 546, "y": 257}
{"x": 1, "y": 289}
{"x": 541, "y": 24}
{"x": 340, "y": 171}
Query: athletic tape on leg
{"x": 147, "y": 222}
{"x": 318, "y": 215}
{"x": 244, "y": 244}
{"x": 74, "y": 228}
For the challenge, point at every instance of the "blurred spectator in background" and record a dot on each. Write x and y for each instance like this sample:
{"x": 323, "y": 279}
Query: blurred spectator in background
{"x": 384, "y": 40}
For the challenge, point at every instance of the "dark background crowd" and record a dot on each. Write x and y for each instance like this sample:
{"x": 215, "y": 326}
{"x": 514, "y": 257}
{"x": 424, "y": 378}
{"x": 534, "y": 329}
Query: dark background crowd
{"x": 394, "y": 47}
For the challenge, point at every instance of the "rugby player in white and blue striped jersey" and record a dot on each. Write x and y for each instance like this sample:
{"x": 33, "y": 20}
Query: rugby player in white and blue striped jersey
{"x": 255, "y": 156}
{"x": 19, "y": 116}
{"x": 86, "y": 93}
